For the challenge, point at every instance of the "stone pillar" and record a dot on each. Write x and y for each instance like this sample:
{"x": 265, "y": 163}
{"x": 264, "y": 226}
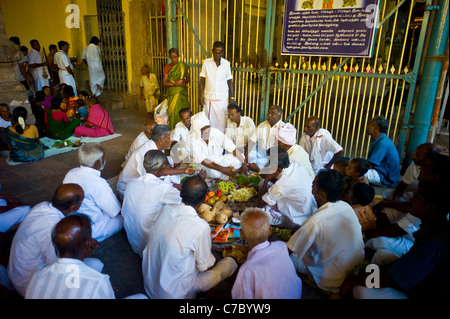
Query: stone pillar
{"x": 10, "y": 87}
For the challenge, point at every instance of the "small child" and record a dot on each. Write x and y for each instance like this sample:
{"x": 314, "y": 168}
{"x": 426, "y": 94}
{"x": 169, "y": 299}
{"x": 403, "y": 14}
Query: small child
{"x": 354, "y": 173}
{"x": 149, "y": 89}
{"x": 362, "y": 199}
{"x": 46, "y": 104}
{"x": 82, "y": 110}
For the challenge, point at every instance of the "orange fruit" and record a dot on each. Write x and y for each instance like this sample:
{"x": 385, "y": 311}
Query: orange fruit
{"x": 223, "y": 198}
{"x": 211, "y": 194}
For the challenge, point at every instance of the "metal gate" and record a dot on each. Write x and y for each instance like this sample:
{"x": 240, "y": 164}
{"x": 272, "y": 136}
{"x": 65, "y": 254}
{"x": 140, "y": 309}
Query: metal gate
{"x": 344, "y": 92}
{"x": 112, "y": 37}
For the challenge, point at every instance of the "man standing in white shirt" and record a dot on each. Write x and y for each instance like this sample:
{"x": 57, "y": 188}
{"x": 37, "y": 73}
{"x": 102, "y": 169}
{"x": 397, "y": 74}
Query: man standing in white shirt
{"x": 100, "y": 203}
{"x": 287, "y": 138}
{"x": 38, "y": 66}
{"x": 323, "y": 150}
{"x": 216, "y": 87}
{"x": 289, "y": 201}
{"x": 71, "y": 276}
{"x": 61, "y": 59}
{"x": 177, "y": 262}
{"x": 265, "y": 136}
{"x": 144, "y": 198}
{"x": 32, "y": 245}
{"x": 91, "y": 56}
{"x": 239, "y": 128}
{"x": 329, "y": 245}
{"x": 266, "y": 260}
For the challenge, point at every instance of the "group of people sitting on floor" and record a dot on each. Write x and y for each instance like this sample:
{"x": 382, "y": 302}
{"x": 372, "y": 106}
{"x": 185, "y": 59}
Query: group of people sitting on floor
{"x": 328, "y": 205}
{"x": 56, "y": 117}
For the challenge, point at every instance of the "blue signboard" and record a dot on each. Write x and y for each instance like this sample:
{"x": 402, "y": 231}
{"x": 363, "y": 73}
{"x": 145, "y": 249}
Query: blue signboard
{"x": 343, "y": 28}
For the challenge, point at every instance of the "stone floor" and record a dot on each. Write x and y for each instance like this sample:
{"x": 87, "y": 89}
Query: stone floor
{"x": 36, "y": 182}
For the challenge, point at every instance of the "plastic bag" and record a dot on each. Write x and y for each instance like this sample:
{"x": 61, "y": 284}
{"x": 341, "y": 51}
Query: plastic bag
{"x": 162, "y": 113}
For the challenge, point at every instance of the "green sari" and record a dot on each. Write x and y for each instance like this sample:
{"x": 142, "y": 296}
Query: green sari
{"x": 177, "y": 96}
{"x": 24, "y": 149}
{"x": 60, "y": 130}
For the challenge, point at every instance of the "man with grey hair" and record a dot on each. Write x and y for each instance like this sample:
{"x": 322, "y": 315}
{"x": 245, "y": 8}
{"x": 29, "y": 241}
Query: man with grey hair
{"x": 383, "y": 155}
{"x": 100, "y": 203}
{"x": 268, "y": 260}
{"x": 142, "y": 138}
{"x": 144, "y": 198}
{"x": 133, "y": 168}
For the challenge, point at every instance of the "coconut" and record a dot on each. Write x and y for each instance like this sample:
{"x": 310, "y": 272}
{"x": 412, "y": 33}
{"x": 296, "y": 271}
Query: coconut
{"x": 227, "y": 211}
{"x": 218, "y": 206}
{"x": 207, "y": 215}
{"x": 221, "y": 218}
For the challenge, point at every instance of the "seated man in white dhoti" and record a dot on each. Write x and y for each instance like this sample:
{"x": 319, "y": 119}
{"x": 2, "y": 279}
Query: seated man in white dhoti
{"x": 323, "y": 150}
{"x": 134, "y": 167}
{"x": 263, "y": 139}
{"x": 145, "y": 196}
{"x": 206, "y": 149}
{"x": 177, "y": 262}
{"x": 239, "y": 128}
{"x": 180, "y": 134}
{"x": 100, "y": 203}
{"x": 289, "y": 200}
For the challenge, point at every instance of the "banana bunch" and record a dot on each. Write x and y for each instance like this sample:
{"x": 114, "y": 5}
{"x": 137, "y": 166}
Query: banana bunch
{"x": 225, "y": 187}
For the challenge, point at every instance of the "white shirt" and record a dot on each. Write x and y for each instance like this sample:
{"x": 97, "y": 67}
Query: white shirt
{"x": 179, "y": 248}
{"x": 180, "y": 133}
{"x": 268, "y": 273}
{"x": 134, "y": 166}
{"x": 216, "y": 77}
{"x": 265, "y": 135}
{"x": 298, "y": 154}
{"x": 32, "y": 245}
{"x": 144, "y": 198}
{"x": 329, "y": 245}
{"x": 240, "y": 135}
{"x": 292, "y": 193}
{"x": 69, "y": 278}
{"x": 411, "y": 173}
{"x": 321, "y": 148}
{"x": 61, "y": 59}
{"x": 217, "y": 143}
{"x": 91, "y": 54}
{"x": 100, "y": 203}
{"x": 138, "y": 142}
{"x": 35, "y": 57}
{"x": 4, "y": 123}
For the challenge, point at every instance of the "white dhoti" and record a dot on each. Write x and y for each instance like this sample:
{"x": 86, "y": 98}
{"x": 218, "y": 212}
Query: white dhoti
{"x": 66, "y": 77}
{"x": 39, "y": 80}
{"x": 227, "y": 160}
{"x": 216, "y": 111}
{"x": 96, "y": 77}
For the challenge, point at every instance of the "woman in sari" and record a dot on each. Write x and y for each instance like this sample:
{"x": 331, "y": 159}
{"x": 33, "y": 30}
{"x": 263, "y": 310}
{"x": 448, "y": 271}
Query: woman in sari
{"x": 176, "y": 77}
{"x": 98, "y": 122}
{"x": 23, "y": 139}
{"x": 57, "y": 125}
